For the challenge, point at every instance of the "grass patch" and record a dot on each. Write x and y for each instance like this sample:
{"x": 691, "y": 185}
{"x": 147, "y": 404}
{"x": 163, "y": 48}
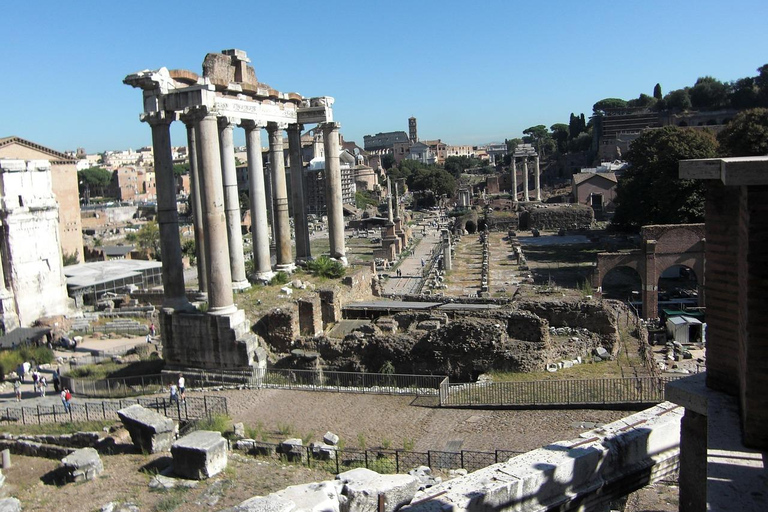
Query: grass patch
{"x": 11, "y": 359}
{"x": 217, "y": 422}
{"x": 58, "y": 428}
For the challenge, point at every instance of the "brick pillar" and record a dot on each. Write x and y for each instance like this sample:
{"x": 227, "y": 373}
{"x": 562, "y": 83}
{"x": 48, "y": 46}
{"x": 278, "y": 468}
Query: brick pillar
{"x": 650, "y": 282}
{"x": 693, "y": 462}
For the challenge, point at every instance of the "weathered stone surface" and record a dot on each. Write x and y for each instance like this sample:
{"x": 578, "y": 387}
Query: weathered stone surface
{"x": 199, "y": 455}
{"x": 82, "y": 464}
{"x": 322, "y": 451}
{"x": 362, "y": 487}
{"x": 293, "y": 449}
{"x": 239, "y": 429}
{"x": 2, "y": 479}
{"x": 151, "y": 432}
{"x": 269, "y": 503}
{"x": 10, "y": 505}
{"x": 331, "y": 438}
{"x": 314, "y": 497}
{"x": 425, "y": 477}
{"x": 120, "y": 507}
{"x": 166, "y": 482}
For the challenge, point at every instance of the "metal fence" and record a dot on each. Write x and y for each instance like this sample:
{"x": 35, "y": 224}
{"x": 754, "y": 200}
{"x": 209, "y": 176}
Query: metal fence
{"x": 383, "y": 460}
{"x": 305, "y": 380}
{"x": 640, "y": 390}
{"x": 190, "y": 409}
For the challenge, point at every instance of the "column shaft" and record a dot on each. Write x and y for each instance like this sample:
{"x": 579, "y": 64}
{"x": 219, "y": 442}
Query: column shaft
{"x": 197, "y": 214}
{"x": 514, "y": 180}
{"x": 525, "y": 179}
{"x": 220, "y": 299}
{"x": 333, "y": 192}
{"x": 280, "y": 190}
{"x": 300, "y": 226}
{"x": 537, "y": 177}
{"x": 232, "y": 204}
{"x": 259, "y": 226}
{"x": 174, "y": 294}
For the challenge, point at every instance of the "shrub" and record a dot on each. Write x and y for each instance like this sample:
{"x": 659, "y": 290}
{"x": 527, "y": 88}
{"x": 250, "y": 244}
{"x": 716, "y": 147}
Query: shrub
{"x": 216, "y": 422}
{"x": 326, "y": 267}
{"x": 279, "y": 278}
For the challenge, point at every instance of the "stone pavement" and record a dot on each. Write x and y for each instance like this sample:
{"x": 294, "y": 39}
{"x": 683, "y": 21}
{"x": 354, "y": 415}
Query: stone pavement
{"x": 30, "y": 398}
{"x": 411, "y": 266}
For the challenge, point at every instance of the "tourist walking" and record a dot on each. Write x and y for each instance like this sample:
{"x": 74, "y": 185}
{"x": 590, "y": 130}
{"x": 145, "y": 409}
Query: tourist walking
{"x": 26, "y": 367}
{"x": 152, "y": 329}
{"x": 56, "y": 380}
{"x": 42, "y": 384}
{"x": 17, "y": 389}
{"x": 181, "y": 387}
{"x": 174, "y": 393}
{"x": 66, "y": 396}
{"x": 35, "y": 379}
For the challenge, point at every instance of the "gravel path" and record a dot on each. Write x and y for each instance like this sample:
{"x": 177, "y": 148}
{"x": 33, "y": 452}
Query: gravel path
{"x": 397, "y": 419}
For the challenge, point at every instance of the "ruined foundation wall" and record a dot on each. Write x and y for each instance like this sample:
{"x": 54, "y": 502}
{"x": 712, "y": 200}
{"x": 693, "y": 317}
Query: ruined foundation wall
{"x": 567, "y": 217}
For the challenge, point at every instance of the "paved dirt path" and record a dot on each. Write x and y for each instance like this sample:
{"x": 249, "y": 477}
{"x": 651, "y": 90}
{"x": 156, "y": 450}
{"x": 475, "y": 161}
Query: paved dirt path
{"x": 397, "y": 419}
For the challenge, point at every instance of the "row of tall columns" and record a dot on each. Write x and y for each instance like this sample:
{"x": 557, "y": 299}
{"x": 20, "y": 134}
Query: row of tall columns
{"x": 257, "y": 188}
{"x": 536, "y": 178}
{"x": 232, "y": 203}
{"x": 216, "y": 209}
{"x": 167, "y": 214}
{"x": 333, "y": 191}
{"x": 300, "y": 225}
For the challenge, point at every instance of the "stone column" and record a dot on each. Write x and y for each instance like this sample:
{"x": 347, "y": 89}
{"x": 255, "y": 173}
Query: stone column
{"x": 197, "y": 214}
{"x": 300, "y": 227}
{"x": 220, "y": 301}
{"x": 447, "y": 260}
{"x": 333, "y": 193}
{"x": 514, "y": 180}
{"x": 280, "y": 198}
{"x": 174, "y": 294}
{"x": 259, "y": 227}
{"x": 525, "y": 179}
{"x": 232, "y": 203}
{"x": 537, "y": 177}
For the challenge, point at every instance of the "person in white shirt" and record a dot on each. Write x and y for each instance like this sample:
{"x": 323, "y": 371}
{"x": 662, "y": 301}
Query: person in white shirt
{"x": 181, "y": 387}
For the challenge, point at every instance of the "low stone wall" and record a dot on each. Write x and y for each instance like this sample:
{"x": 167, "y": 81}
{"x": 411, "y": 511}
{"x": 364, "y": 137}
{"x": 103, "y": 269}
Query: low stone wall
{"x": 572, "y": 216}
{"x": 35, "y": 449}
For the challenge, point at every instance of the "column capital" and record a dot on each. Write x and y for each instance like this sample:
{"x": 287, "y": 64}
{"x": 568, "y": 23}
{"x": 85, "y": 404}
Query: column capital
{"x": 197, "y": 113}
{"x": 227, "y": 122}
{"x": 330, "y": 126}
{"x": 251, "y": 124}
{"x": 274, "y": 126}
{"x": 159, "y": 118}
{"x": 295, "y": 127}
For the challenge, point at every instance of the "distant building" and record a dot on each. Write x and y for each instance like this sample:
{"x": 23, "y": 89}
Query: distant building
{"x": 422, "y": 153}
{"x": 314, "y": 183}
{"x": 413, "y": 132}
{"x": 596, "y": 190}
{"x": 64, "y": 184}
{"x": 383, "y": 143}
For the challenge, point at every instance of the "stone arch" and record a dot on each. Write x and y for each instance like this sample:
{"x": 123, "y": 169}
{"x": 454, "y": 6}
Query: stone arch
{"x": 470, "y": 227}
{"x": 622, "y": 282}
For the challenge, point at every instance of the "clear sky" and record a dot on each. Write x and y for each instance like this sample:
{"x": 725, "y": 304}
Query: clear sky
{"x": 470, "y": 72}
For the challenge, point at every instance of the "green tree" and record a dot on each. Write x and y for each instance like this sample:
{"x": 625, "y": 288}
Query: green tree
{"x": 650, "y": 192}
{"x": 512, "y": 144}
{"x": 677, "y": 100}
{"x": 149, "y": 238}
{"x": 94, "y": 179}
{"x": 179, "y": 169}
{"x": 607, "y": 103}
{"x": 539, "y": 136}
{"x": 642, "y": 101}
{"x": 575, "y": 125}
{"x": 746, "y": 134}
{"x": 560, "y": 136}
{"x": 388, "y": 161}
{"x": 743, "y": 93}
{"x": 708, "y": 93}
{"x": 761, "y": 81}
{"x": 657, "y": 92}
{"x": 437, "y": 180}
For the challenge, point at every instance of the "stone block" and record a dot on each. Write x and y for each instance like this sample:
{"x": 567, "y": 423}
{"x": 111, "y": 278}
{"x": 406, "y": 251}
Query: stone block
{"x": 83, "y": 464}
{"x": 362, "y": 487}
{"x": 10, "y": 505}
{"x": 199, "y": 455}
{"x": 293, "y": 449}
{"x": 331, "y": 438}
{"x": 322, "y": 451}
{"x": 151, "y": 432}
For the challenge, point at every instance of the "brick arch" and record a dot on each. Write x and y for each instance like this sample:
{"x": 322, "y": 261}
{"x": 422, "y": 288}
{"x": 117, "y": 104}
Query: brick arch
{"x": 663, "y": 246}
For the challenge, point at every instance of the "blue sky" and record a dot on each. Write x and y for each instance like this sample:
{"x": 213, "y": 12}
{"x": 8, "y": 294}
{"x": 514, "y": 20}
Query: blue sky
{"x": 470, "y": 72}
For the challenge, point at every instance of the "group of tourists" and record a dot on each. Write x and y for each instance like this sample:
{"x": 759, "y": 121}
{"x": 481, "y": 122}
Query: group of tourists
{"x": 177, "y": 390}
{"x": 39, "y": 381}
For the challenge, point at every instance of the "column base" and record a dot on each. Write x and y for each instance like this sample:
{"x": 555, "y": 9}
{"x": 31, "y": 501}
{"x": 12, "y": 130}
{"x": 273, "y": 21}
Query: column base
{"x": 222, "y": 311}
{"x": 178, "y": 304}
{"x": 343, "y": 260}
{"x": 239, "y": 286}
{"x": 262, "y": 277}
{"x": 288, "y": 268}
